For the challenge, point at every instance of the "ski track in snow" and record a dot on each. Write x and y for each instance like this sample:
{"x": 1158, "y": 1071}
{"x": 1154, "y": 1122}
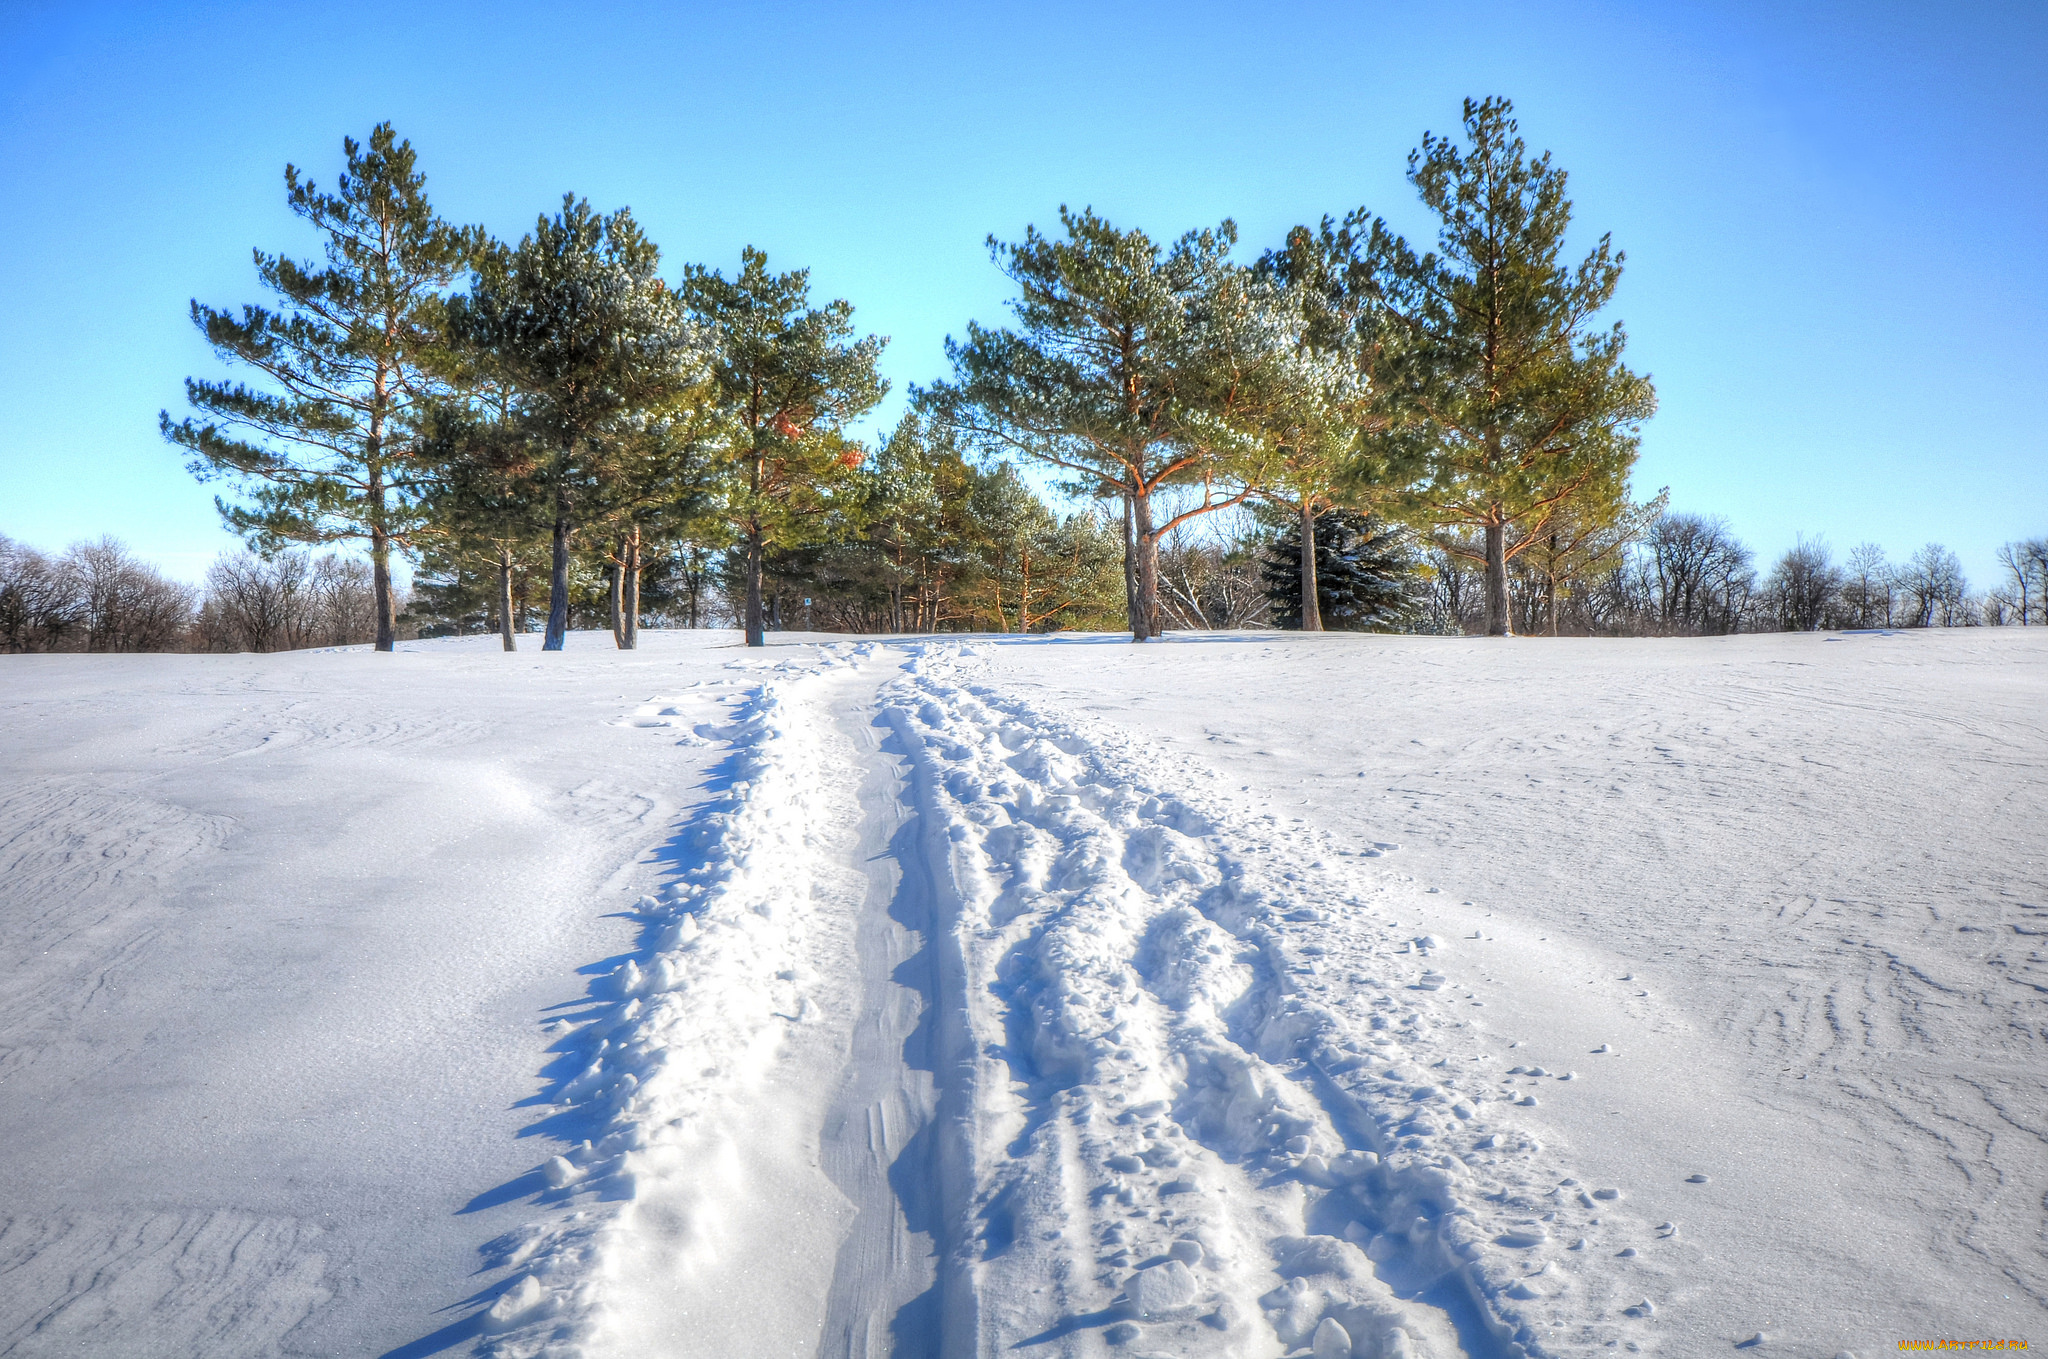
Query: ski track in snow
{"x": 1218, "y": 1107}
{"x": 1118, "y": 1062}
{"x": 659, "y": 1237}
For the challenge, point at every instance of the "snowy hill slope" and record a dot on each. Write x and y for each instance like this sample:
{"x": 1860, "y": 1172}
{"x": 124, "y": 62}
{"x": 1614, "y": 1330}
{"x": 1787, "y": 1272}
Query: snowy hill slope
{"x": 1248, "y": 995}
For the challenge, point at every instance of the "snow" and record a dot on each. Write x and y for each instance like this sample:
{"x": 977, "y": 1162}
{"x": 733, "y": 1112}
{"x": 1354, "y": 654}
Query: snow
{"x": 1247, "y": 995}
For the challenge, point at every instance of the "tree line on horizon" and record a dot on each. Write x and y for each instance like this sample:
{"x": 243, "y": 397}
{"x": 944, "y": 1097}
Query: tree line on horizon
{"x": 1685, "y": 576}
{"x": 1346, "y": 432}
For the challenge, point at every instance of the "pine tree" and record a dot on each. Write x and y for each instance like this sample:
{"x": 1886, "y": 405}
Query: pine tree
{"x": 1323, "y": 417}
{"x": 484, "y": 505}
{"x": 790, "y": 381}
{"x": 917, "y": 488}
{"x": 1515, "y": 403}
{"x": 1120, "y": 375}
{"x": 326, "y": 447}
{"x": 668, "y": 473}
{"x": 578, "y": 320}
{"x": 1366, "y": 576}
{"x": 1029, "y": 568}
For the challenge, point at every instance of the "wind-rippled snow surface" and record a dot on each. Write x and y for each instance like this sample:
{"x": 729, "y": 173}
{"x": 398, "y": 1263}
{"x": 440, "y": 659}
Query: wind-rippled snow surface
{"x": 1027, "y": 997}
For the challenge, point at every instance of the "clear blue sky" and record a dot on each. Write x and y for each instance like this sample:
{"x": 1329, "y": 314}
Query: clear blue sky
{"x": 1833, "y": 212}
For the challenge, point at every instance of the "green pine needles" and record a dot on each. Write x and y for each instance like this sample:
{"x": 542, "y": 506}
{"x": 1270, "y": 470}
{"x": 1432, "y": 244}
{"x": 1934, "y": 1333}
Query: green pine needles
{"x": 324, "y": 446}
{"x": 577, "y": 318}
{"x": 790, "y": 378}
{"x": 1516, "y": 406}
{"x": 557, "y": 410}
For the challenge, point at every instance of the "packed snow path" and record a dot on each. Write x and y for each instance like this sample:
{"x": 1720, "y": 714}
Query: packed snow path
{"x": 1134, "y": 1062}
{"x": 969, "y": 1009}
{"x": 1113, "y": 1104}
{"x": 1176, "y": 1140}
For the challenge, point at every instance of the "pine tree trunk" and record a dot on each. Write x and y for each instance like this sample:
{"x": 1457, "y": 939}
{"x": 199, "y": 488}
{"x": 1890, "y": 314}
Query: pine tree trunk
{"x": 1130, "y": 569}
{"x": 505, "y": 622}
{"x": 380, "y": 584}
{"x": 1311, "y": 604}
{"x": 615, "y": 579}
{"x": 756, "y": 634}
{"x": 1145, "y": 617}
{"x": 558, "y": 588}
{"x": 630, "y": 601}
{"x": 1497, "y": 621}
{"x": 1550, "y": 586}
{"x": 1024, "y": 591}
{"x": 380, "y": 563}
{"x": 896, "y": 593}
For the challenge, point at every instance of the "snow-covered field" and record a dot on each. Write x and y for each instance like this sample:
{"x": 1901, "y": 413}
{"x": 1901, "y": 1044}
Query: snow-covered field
{"x": 1244, "y": 996}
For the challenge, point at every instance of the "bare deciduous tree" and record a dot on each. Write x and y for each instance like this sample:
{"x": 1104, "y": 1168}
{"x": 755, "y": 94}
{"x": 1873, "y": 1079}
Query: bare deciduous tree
{"x": 1207, "y": 582}
{"x": 1803, "y": 591}
{"x": 2027, "y": 563}
{"x": 286, "y": 602}
{"x": 1935, "y": 594}
{"x": 1699, "y": 576}
{"x": 1869, "y": 588}
{"x": 96, "y": 597}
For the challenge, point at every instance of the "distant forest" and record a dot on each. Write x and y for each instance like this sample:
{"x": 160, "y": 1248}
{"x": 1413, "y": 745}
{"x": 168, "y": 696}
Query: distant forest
{"x": 1346, "y": 433}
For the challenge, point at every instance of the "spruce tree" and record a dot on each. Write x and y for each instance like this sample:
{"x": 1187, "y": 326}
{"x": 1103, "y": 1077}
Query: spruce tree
{"x": 326, "y": 445}
{"x": 1122, "y": 375}
{"x": 789, "y": 377}
{"x": 1514, "y": 401}
{"x": 1365, "y": 577}
{"x": 578, "y": 320}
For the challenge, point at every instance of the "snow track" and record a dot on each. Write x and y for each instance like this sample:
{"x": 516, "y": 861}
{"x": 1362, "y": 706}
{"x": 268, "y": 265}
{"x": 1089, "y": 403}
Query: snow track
{"x": 1047, "y": 1045}
{"x": 692, "y": 1077}
{"x": 1215, "y": 1108}
{"x": 879, "y": 1138}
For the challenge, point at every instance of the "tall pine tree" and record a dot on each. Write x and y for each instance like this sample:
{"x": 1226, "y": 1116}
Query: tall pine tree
{"x": 1514, "y": 401}
{"x": 1123, "y": 373}
{"x": 790, "y": 377}
{"x": 326, "y": 446}
{"x": 1324, "y": 420}
{"x": 578, "y": 320}
{"x": 484, "y": 504}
